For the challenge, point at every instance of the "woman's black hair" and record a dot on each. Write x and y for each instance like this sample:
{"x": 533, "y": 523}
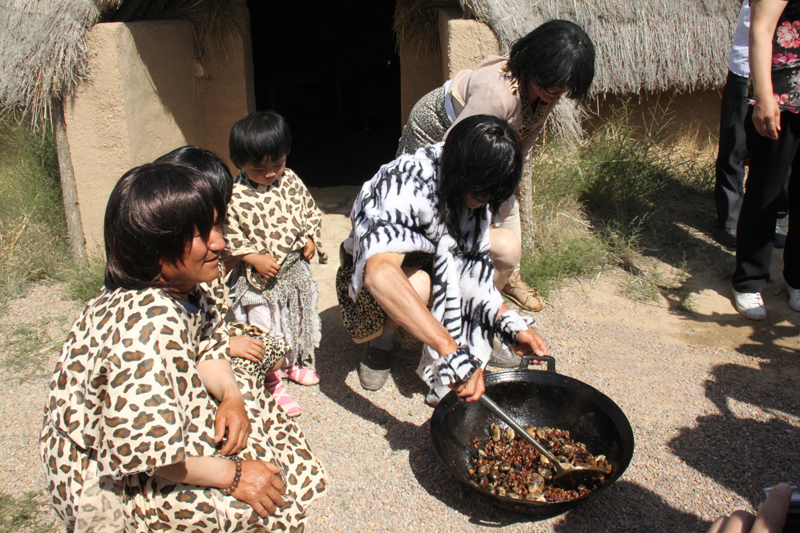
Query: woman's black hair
{"x": 555, "y": 54}
{"x": 152, "y": 216}
{"x": 207, "y": 162}
{"x": 481, "y": 156}
{"x": 258, "y": 135}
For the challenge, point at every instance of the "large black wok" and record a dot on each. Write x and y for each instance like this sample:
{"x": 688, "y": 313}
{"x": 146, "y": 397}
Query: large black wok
{"x": 533, "y": 398}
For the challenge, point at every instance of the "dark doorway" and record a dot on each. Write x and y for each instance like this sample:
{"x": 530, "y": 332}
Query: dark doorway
{"x": 331, "y": 69}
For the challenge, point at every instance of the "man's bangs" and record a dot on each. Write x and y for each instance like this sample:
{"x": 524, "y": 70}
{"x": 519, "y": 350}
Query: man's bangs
{"x": 206, "y": 209}
{"x": 186, "y": 204}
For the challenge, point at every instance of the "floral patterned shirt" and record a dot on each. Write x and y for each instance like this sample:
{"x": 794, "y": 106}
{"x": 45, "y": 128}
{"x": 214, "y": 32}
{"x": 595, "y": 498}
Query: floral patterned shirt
{"x": 785, "y": 60}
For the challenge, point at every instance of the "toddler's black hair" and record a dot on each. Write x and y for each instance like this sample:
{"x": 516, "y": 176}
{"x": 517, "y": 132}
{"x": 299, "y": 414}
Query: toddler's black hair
{"x": 259, "y": 135}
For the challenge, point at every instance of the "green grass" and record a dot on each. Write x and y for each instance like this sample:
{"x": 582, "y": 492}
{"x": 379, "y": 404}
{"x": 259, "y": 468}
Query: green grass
{"x": 573, "y": 256}
{"x": 33, "y": 239}
{"x": 33, "y": 243}
{"x": 20, "y": 514}
{"x": 87, "y": 280}
{"x": 26, "y": 348}
{"x": 620, "y": 195}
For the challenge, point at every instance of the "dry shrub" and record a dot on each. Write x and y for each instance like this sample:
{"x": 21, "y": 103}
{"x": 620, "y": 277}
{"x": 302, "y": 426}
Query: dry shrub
{"x": 619, "y": 194}
{"x": 33, "y": 242}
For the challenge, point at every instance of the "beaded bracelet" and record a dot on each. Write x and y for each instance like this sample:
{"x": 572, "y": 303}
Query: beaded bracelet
{"x": 229, "y": 490}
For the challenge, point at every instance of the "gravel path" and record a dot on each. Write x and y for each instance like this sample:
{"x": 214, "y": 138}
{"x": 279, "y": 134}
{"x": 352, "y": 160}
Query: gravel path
{"x": 713, "y": 425}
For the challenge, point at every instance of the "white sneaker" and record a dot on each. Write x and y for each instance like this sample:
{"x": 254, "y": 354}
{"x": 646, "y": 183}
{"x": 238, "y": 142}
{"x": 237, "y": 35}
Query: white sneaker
{"x": 750, "y": 304}
{"x": 794, "y": 298}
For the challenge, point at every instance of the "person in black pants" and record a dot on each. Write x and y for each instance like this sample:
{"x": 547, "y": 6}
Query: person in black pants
{"x": 773, "y": 138}
{"x": 730, "y": 168}
{"x": 729, "y": 185}
{"x": 764, "y": 194}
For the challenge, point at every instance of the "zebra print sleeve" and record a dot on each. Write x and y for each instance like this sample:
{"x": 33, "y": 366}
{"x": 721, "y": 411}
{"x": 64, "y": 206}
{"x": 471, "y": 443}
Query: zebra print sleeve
{"x": 396, "y": 211}
{"x": 510, "y": 323}
{"x": 451, "y": 369}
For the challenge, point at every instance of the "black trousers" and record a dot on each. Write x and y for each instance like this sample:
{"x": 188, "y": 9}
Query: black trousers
{"x": 729, "y": 184}
{"x": 770, "y": 164}
{"x": 730, "y": 169}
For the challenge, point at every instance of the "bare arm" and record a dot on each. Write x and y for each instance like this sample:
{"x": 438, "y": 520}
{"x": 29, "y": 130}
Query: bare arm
{"x": 218, "y": 378}
{"x": 387, "y": 282}
{"x": 202, "y": 471}
{"x": 259, "y": 484}
{"x": 764, "y": 15}
{"x": 265, "y": 264}
{"x": 389, "y": 285}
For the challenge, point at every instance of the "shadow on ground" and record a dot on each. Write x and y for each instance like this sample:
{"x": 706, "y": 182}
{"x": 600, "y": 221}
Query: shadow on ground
{"x": 745, "y": 454}
{"x": 742, "y": 454}
{"x": 672, "y": 222}
{"x": 639, "y": 508}
{"x": 339, "y": 356}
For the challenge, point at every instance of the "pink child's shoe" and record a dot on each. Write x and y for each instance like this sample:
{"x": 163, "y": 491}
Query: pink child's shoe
{"x": 303, "y": 376}
{"x": 281, "y": 395}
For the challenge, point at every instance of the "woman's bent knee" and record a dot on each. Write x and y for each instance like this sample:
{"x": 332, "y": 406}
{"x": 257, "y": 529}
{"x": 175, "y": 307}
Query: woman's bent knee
{"x": 505, "y": 249}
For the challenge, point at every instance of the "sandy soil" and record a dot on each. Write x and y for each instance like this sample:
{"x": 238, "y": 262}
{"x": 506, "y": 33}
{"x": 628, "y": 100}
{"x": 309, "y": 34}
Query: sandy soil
{"x": 712, "y": 397}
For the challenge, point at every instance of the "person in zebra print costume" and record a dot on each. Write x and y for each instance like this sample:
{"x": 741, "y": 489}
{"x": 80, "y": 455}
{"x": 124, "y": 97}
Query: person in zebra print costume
{"x": 436, "y": 202}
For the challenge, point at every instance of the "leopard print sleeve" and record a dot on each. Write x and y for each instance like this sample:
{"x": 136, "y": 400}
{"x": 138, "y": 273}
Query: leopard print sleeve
{"x": 313, "y": 219}
{"x": 237, "y": 222}
{"x": 127, "y": 385}
{"x": 214, "y": 342}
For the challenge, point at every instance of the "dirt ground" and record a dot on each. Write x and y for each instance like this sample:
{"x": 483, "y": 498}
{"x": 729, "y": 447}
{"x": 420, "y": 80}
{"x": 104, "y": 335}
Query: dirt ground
{"x": 710, "y": 321}
{"x": 712, "y": 397}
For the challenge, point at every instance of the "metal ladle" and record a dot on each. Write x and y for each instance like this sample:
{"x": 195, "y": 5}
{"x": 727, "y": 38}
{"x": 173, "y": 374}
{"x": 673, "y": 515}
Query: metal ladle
{"x": 567, "y": 475}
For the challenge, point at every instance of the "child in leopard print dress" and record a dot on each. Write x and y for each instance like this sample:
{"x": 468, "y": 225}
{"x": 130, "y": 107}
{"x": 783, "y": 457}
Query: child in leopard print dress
{"x": 274, "y": 226}
{"x": 252, "y": 352}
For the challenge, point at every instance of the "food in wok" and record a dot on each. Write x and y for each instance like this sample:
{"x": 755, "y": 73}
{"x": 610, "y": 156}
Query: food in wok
{"x": 509, "y": 466}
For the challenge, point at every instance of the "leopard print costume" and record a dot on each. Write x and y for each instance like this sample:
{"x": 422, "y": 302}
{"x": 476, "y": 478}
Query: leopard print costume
{"x": 126, "y": 398}
{"x": 272, "y": 219}
{"x": 277, "y": 220}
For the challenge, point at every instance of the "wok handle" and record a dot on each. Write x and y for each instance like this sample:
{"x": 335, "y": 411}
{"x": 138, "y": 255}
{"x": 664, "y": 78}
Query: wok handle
{"x": 528, "y": 359}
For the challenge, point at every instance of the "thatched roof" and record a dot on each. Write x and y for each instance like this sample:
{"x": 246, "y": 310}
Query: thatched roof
{"x": 43, "y": 51}
{"x": 650, "y": 45}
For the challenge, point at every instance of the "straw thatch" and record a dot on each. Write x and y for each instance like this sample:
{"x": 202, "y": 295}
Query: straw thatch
{"x": 212, "y": 20}
{"x": 416, "y": 22}
{"x": 642, "y": 45}
{"x": 650, "y": 45}
{"x": 43, "y": 50}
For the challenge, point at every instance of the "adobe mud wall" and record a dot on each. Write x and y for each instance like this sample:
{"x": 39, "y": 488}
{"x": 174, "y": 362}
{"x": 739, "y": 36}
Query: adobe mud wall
{"x": 148, "y": 95}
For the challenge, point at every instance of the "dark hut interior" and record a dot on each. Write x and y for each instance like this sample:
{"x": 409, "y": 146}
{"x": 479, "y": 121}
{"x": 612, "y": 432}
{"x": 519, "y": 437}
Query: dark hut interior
{"x": 334, "y": 73}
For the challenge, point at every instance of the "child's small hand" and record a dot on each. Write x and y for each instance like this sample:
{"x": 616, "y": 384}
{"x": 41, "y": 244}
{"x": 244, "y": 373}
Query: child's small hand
{"x": 266, "y": 265}
{"x": 247, "y": 348}
{"x": 309, "y": 250}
